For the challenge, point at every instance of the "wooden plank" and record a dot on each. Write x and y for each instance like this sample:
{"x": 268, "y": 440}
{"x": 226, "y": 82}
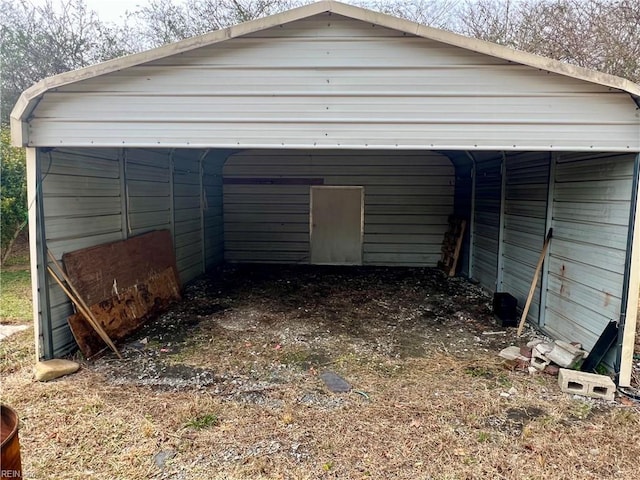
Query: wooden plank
{"x": 89, "y": 320}
{"x": 103, "y": 271}
{"x": 452, "y": 244}
{"x": 122, "y": 314}
{"x": 534, "y": 282}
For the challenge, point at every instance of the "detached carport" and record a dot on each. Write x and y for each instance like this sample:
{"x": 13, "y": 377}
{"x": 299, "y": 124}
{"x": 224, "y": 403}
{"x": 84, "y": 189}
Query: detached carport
{"x": 386, "y": 127}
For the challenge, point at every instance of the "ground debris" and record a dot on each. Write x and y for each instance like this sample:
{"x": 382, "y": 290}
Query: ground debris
{"x": 275, "y": 323}
{"x": 335, "y": 383}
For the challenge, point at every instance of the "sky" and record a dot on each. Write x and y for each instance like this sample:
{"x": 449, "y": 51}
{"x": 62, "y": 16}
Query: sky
{"x": 108, "y": 10}
{"x": 112, "y": 10}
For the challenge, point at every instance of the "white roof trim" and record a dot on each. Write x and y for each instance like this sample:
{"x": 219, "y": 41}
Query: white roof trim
{"x": 30, "y": 97}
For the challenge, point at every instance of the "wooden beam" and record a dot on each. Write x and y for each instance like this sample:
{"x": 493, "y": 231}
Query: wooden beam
{"x": 534, "y": 282}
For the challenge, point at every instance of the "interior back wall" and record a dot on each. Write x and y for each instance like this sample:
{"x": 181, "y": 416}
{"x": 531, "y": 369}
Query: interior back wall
{"x": 408, "y": 198}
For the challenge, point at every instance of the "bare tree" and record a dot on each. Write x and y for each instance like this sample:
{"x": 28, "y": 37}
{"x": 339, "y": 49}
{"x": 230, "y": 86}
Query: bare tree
{"x": 165, "y": 21}
{"x": 39, "y": 41}
{"x": 598, "y": 34}
{"x": 435, "y": 13}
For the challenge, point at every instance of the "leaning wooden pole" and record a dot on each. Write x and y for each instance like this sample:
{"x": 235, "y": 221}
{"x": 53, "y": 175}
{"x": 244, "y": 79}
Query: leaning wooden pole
{"x": 80, "y": 304}
{"x": 534, "y": 282}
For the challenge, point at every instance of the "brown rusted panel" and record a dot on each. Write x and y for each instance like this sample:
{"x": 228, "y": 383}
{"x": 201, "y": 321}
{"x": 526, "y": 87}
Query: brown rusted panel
{"x": 124, "y": 313}
{"x": 101, "y": 272}
{"x": 90, "y": 344}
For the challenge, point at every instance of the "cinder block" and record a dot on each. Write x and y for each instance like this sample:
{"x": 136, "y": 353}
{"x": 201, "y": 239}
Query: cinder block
{"x": 588, "y": 384}
{"x": 538, "y": 360}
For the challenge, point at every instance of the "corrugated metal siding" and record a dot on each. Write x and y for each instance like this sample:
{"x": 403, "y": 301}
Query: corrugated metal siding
{"x": 463, "y": 205}
{"x": 333, "y": 82}
{"x": 187, "y": 211}
{"x": 148, "y": 190}
{"x": 408, "y": 197}
{"x": 96, "y": 196}
{"x": 525, "y": 215}
{"x": 487, "y": 221}
{"x": 213, "y": 215}
{"x": 82, "y": 208}
{"x": 591, "y": 202}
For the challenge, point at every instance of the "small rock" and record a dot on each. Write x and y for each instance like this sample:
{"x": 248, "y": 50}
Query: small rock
{"x": 335, "y": 383}
{"x": 504, "y": 395}
{"x": 532, "y": 370}
{"x": 512, "y": 353}
{"x": 162, "y": 456}
{"x": 513, "y": 391}
{"x": 50, "y": 369}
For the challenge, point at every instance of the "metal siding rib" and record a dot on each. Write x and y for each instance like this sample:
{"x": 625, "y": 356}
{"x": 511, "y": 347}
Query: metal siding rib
{"x": 525, "y": 214}
{"x": 83, "y": 208}
{"x": 315, "y": 85}
{"x": 487, "y": 221}
{"x": 186, "y": 203}
{"x": 406, "y": 208}
{"x": 213, "y": 215}
{"x": 148, "y": 190}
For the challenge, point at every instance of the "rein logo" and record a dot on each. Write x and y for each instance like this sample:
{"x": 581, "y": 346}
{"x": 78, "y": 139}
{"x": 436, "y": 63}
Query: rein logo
{"x": 10, "y": 474}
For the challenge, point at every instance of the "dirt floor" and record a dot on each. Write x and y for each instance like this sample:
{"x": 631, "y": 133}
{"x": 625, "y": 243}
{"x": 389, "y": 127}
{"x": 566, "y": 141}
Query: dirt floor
{"x": 228, "y": 384}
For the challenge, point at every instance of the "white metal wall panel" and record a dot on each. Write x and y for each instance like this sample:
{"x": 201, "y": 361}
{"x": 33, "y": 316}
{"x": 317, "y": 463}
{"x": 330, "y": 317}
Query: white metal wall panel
{"x": 591, "y": 202}
{"x": 333, "y": 82}
{"x": 408, "y": 198}
{"x": 187, "y": 211}
{"x": 487, "y": 221}
{"x": 148, "y": 190}
{"x": 82, "y": 207}
{"x": 525, "y": 212}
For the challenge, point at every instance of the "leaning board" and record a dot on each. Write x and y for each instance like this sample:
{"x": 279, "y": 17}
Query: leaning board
{"x": 124, "y": 283}
{"x": 100, "y": 272}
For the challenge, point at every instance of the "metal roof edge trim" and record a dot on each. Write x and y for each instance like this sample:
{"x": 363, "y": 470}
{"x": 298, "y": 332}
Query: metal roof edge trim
{"x": 342, "y": 146}
{"x": 29, "y": 97}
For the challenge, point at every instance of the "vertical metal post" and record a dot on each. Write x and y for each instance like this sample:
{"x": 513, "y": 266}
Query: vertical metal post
{"x": 630, "y": 286}
{"x": 472, "y": 216}
{"x": 503, "y": 197}
{"x": 38, "y": 257}
{"x": 172, "y": 209}
{"x": 203, "y": 240}
{"x": 544, "y": 280}
{"x": 124, "y": 194}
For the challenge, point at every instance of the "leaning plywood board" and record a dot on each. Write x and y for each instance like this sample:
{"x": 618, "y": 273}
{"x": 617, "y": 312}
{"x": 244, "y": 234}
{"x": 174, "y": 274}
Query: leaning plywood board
{"x": 124, "y": 283}
{"x": 102, "y": 271}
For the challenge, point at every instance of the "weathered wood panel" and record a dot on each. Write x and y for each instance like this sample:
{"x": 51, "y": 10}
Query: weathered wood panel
{"x": 122, "y": 314}
{"x": 101, "y": 272}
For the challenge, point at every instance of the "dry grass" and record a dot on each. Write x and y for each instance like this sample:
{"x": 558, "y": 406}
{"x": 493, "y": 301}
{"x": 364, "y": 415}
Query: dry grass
{"x": 436, "y": 415}
{"x": 440, "y": 418}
